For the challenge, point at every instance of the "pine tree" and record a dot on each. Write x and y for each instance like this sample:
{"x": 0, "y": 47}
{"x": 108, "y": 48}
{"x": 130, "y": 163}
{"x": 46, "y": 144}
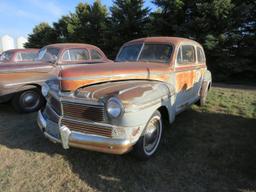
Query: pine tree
{"x": 65, "y": 28}
{"x": 43, "y": 34}
{"x": 86, "y": 25}
{"x": 91, "y": 24}
{"x": 128, "y": 21}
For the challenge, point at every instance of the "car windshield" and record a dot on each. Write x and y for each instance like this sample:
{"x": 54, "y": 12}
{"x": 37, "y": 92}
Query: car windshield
{"x": 148, "y": 52}
{"x": 6, "y": 56}
{"x": 48, "y": 54}
{"x": 129, "y": 53}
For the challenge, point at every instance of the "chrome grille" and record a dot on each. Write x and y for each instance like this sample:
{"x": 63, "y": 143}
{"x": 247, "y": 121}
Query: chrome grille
{"x": 48, "y": 112}
{"x": 83, "y": 111}
{"x": 55, "y": 104}
{"x": 87, "y": 128}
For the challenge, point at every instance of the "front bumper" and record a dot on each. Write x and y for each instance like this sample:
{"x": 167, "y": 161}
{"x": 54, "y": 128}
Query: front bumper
{"x": 85, "y": 141}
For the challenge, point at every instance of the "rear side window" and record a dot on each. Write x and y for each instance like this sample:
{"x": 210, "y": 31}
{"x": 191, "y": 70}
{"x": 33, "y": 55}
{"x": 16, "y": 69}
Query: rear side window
{"x": 186, "y": 54}
{"x": 76, "y": 55}
{"x": 200, "y": 55}
{"x": 95, "y": 55}
{"x": 18, "y": 57}
{"x": 26, "y": 56}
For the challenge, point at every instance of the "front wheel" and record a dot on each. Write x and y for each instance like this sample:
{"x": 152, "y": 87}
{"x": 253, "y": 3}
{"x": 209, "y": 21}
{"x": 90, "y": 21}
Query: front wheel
{"x": 28, "y": 101}
{"x": 148, "y": 143}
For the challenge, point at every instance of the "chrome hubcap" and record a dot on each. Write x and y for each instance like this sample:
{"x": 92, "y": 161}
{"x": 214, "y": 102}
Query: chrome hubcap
{"x": 152, "y": 135}
{"x": 30, "y": 99}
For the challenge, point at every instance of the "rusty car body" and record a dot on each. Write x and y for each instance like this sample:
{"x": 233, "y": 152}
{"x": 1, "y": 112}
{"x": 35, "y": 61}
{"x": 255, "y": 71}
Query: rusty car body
{"x": 117, "y": 107}
{"x": 21, "y": 82}
{"x": 13, "y": 56}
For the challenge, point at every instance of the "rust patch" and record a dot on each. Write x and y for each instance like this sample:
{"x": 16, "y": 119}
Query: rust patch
{"x": 125, "y": 90}
{"x": 135, "y": 131}
{"x": 136, "y": 92}
{"x": 71, "y": 85}
{"x": 74, "y": 78}
{"x": 185, "y": 80}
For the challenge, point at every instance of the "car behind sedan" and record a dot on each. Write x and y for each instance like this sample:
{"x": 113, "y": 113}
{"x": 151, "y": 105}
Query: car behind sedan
{"x": 18, "y": 56}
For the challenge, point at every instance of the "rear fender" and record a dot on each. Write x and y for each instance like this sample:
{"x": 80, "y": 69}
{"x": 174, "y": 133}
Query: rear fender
{"x": 206, "y": 84}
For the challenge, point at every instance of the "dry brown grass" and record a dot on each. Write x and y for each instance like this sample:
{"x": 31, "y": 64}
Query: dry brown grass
{"x": 206, "y": 149}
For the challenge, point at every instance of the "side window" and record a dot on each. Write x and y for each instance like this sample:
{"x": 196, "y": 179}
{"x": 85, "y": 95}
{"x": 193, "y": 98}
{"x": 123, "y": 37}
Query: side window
{"x": 156, "y": 53}
{"x": 186, "y": 55}
{"x": 95, "y": 55}
{"x": 76, "y": 55}
{"x": 18, "y": 57}
{"x": 179, "y": 57}
{"x": 200, "y": 55}
{"x": 28, "y": 56}
{"x": 66, "y": 56}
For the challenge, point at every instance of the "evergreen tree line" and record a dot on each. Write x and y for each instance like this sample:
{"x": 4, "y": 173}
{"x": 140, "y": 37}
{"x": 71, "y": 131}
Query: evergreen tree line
{"x": 226, "y": 29}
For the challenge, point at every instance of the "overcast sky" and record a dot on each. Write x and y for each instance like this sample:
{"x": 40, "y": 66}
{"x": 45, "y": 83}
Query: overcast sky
{"x": 18, "y": 17}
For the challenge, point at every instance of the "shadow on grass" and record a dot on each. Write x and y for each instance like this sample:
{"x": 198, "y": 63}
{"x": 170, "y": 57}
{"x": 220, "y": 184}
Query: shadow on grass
{"x": 199, "y": 152}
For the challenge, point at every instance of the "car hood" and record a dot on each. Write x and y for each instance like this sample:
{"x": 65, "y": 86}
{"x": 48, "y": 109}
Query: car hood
{"x": 77, "y": 77}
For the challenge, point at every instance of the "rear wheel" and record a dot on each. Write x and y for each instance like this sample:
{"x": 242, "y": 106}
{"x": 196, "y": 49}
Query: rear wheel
{"x": 149, "y": 141}
{"x": 28, "y": 101}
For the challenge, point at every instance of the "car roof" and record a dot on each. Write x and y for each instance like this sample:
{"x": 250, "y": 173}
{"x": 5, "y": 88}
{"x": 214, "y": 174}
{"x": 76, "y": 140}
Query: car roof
{"x": 173, "y": 40}
{"x": 71, "y": 45}
{"x": 22, "y": 50}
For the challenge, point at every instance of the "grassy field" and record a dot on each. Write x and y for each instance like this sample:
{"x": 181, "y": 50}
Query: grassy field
{"x": 207, "y": 149}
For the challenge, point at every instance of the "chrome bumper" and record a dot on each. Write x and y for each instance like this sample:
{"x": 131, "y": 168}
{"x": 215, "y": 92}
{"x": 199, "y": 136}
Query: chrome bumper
{"x": 80, "y": 140}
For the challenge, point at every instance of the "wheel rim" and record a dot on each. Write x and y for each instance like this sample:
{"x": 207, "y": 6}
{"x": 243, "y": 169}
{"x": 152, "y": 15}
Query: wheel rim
{"x": 30, "y": 100}
{"x": 152, "y": 135}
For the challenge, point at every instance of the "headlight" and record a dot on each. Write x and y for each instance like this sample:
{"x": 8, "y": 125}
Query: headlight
{"x": 45, "y": 89}
{"x": 114, "y": 107}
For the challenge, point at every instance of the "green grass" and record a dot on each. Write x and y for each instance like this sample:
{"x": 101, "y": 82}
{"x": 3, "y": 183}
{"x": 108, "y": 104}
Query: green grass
{"x": 212, "y": 148}
{"x": 231, "y": 101}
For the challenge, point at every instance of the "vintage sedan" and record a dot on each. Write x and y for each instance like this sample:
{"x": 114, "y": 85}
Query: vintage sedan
{"x": 117, "y": 107}
{"x": 13, "y": 56}
{"x": 21, "y": 82}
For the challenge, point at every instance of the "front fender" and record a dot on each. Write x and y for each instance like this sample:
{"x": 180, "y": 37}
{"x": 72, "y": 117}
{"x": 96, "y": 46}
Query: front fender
{"x": 139, "y": 97}
{"x": 145, "y": 94}
{"x": 142, "y": 101}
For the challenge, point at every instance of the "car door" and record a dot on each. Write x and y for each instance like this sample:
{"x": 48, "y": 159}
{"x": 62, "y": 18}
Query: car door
{"x": 185, "y": 75}
{"x": 200, "y": 70}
